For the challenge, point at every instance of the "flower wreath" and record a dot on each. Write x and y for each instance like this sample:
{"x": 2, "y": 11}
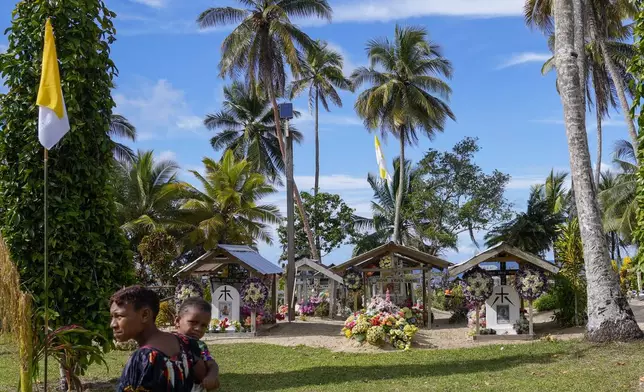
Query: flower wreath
{"x": 185, "y": 289}
{"x": 386, "y": 262}
{"x": 530, "y": 283}
{"x": 353, "y": 280}
{"x": 254, "y": 293}
{"x": 477, "y": 285}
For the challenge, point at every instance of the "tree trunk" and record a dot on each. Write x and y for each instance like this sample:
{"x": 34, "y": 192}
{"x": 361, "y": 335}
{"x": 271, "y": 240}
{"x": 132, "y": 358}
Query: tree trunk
{"x": 610, "y": 317}
{"x": 580, "y": 45}
{"x": 401, "y": 186}
{"x": 316, "y": 188}
{"x": 296, "y": 192}
{"x": 598, "y": 163}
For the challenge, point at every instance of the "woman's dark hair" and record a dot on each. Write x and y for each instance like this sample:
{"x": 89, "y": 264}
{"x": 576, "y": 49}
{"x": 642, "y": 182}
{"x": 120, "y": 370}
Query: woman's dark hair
{"x": 139, "y": 297}
{"x": 195, "y": 302}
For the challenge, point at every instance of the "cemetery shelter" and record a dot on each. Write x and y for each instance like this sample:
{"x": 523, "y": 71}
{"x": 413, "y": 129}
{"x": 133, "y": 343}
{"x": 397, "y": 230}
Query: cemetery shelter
{"x": 226, "y": 267}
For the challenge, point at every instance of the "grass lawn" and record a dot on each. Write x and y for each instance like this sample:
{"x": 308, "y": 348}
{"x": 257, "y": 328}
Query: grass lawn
{"x": 541, "y": 366}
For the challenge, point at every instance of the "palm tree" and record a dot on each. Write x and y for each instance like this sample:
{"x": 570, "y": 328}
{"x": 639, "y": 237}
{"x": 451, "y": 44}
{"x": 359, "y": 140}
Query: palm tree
{"x": 322, "y": 74}
{"x": 381, "y": 227}
{"x": 598, "y": 80}
{"x": 122, "y": 128}
{"x": 403, "y": 75}
{"x": 604, "y": 29}
{"x": 617, "y": 194}
{"x": 609, "y": 315}
{"x": 261, "y": 46}
{"x": 226, "y": 211}
{"x": 555, "y": 193}
{"x": 147, "y": 195}
{"x": 247, "y": 128}
{"x": 533, "y": 231}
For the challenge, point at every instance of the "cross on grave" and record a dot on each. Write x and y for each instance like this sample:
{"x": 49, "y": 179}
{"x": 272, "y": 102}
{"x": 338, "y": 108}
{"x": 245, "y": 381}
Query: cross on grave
{"x": 225, "y": 292}
{"x": 503, "y": 296}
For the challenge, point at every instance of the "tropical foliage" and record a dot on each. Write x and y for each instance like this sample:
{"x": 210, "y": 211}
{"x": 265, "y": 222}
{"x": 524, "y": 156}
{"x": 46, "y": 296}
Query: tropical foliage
{"x": 405, "y": 94}
{"x": 148, "y": 193}
{"x": 226, "y": 210}
{"x": 247, "y": 128}
{"x": 333, "y": 218}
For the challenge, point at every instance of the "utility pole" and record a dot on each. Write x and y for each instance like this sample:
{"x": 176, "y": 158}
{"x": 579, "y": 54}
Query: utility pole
{"x": 286, "y": 113}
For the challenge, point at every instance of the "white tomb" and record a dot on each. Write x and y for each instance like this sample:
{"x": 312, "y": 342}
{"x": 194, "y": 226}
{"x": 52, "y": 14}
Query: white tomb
{"x": 502, "y": 310}
{"x": 225, "y": 303}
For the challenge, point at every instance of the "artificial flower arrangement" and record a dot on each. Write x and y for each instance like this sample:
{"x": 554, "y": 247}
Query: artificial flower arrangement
{"x": 217, "y": 326}
{"x": 352, "y": 280}
{"x": 185, "y": 289}
{"x": 379, "y": 305}
{"x": 381, "y": 327}
{"x": 254, "y": 293}
{"x": 246, "y": 326}
{"x": 282, "y": 312}
{"x": 471, "y": 317}
{"x": 478, "y": 285}
{"x": 307, "y": 308}
{"x": 530, "y": 283}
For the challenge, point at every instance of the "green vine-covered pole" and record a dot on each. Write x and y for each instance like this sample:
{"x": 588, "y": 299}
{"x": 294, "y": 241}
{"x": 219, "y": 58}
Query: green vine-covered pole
{"x": 637, "y": 70}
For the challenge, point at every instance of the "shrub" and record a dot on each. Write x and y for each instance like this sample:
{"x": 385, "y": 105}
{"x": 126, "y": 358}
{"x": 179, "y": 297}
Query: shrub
{"x": 322, "y": 310}
{"x": 546, "y": 302}
{"x": 207, "y": 295}
{"x": 565, "y": 294}
{"x": 166, "y": 314}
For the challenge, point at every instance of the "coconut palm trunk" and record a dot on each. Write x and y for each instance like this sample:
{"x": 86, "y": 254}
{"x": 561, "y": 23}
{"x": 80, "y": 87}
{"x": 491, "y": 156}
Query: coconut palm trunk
{"x": 580, "y": 9}
{"x": 401, "y": 186}
{"x": 296, "y": 192}
{"x": 609, "y": 315}
{"x": 598, "y": 163}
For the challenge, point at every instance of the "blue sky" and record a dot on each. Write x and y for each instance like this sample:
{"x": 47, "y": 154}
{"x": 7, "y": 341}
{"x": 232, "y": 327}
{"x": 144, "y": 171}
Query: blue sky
{"x": 169, "y": 81}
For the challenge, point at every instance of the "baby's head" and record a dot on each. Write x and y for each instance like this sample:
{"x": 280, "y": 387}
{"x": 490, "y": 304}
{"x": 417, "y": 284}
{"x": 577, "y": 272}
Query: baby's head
{"x": 193, "y": 317}
{"x": 133, "y": 309}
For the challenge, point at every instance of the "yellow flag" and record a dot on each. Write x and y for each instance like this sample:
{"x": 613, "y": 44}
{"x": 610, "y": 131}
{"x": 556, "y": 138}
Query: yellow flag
{"x": 53, "y": 123}
{"x": 381, "y": 161}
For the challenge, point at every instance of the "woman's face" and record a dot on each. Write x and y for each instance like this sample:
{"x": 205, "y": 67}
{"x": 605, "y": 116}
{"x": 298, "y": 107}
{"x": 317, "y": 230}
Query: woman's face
{"x": 127, "y": 322}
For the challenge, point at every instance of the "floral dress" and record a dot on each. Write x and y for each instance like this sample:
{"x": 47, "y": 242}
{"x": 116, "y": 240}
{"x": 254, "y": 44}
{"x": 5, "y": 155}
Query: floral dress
{"x": 150, "y": 370}
{"x": 206, "y": 357}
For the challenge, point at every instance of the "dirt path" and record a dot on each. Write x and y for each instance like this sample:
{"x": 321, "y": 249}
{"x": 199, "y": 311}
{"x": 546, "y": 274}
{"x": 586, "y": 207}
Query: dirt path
{"x": 327, "y": 334}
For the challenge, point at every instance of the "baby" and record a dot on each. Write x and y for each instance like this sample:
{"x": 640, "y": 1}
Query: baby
{"x": 192, "y": 320}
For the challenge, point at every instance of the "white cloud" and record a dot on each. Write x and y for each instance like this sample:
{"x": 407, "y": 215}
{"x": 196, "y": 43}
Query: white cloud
{"x": 189, "y": 122}
{"x": 152, "y": 3}
{"x": 387, "y": 10}
{"x": 526, "y": 181}
{"x": 158, "y": 109}
{"x": 333, "y": 182}
{"x": 525, "y": 57}
{"x": 167, "y": 156}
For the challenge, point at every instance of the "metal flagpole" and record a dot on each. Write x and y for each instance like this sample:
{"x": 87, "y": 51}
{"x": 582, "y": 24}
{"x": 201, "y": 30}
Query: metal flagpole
{"x": 46, "y": 267}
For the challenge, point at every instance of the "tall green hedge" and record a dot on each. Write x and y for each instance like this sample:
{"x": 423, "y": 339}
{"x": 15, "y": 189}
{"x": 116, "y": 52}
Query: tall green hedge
{"x": 89, "y": 257}
{"x": 637, "y": 70}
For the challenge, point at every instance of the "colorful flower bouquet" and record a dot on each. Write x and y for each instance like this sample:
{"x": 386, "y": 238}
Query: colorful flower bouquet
{"x": 530, "y": 283}
{"x": 246, "y": 326}
{"x": 218, "y": 326}
{"x": 307, "y": 308}
{"x": 185, "y": 289}
{"x": 477, "y": 285}
{"x": 379, "y": 305}
{"x": 381, "y": 327}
